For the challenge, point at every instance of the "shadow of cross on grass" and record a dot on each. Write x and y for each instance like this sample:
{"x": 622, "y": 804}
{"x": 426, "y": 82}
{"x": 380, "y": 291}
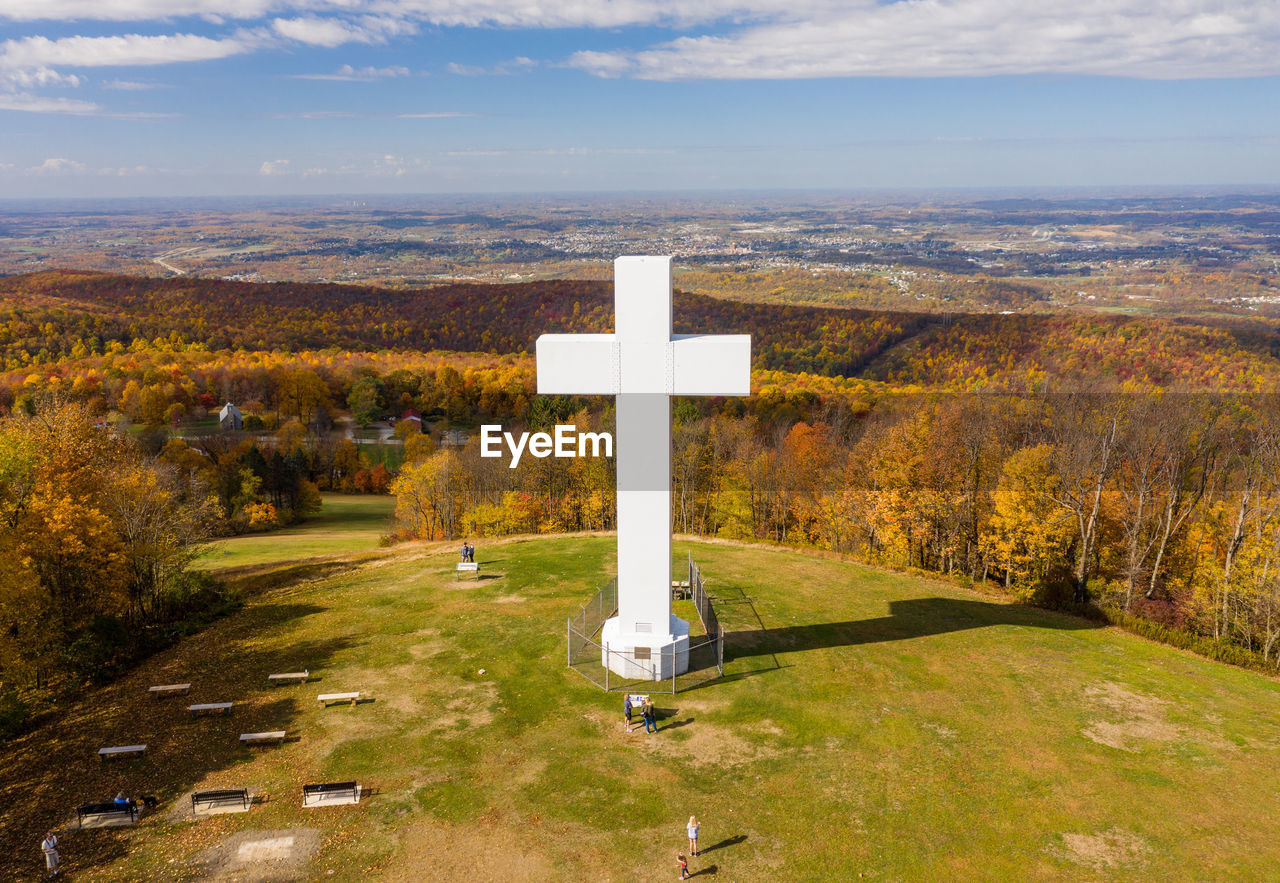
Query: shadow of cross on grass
{"x": 51, "y": 770}
{"x": 912, "y": 618}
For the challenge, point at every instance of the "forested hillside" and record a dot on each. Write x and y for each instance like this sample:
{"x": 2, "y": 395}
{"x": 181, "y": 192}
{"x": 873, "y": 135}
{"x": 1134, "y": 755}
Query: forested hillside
{"x": 48, "y": 317}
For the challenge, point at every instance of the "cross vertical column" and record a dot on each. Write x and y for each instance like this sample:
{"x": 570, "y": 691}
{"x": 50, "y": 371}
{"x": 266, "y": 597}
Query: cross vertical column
{"x": 642, "y": 456}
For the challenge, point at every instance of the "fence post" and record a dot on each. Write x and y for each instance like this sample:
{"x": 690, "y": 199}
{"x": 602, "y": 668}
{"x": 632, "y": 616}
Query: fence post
{"x": 673, "y": 669}
{"x": 606, "y": 668}
{"x": 568, "y": 637}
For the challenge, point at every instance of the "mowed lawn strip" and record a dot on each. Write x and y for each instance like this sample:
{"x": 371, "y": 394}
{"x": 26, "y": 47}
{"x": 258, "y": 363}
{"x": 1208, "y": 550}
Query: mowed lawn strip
{"x": 346, "y": 523}
{"x": 870, "y": 723}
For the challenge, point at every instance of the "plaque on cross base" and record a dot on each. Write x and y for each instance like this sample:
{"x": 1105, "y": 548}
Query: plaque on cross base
{"x": 643, "y": 364}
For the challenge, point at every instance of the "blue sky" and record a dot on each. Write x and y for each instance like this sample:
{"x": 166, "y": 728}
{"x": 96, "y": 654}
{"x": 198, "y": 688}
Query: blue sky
{"x": 191, "y": 97}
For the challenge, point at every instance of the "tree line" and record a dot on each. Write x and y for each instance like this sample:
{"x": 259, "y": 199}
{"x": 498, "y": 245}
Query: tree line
{"x": 1161, "y": 507}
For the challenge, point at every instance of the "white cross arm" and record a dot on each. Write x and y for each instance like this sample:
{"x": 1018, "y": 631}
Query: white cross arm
{"x": 578, "y": 364}
{"x": 688, "y": 364}
{"x": 711, "y": 365}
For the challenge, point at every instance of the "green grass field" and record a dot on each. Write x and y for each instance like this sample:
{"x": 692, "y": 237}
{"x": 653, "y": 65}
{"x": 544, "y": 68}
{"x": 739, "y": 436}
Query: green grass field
{"x": 346, "y": 524}
{"x": 870, "y": 724}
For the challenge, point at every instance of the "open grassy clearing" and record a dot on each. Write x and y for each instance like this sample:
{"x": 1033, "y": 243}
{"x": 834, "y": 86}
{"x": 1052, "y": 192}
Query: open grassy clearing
{"x": 347, "y": 523}
{"x": 870, "y": 723}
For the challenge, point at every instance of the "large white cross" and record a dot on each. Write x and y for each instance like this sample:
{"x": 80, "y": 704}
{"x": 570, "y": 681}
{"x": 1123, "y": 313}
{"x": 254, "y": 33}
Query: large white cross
{"x": 644, "y": 364}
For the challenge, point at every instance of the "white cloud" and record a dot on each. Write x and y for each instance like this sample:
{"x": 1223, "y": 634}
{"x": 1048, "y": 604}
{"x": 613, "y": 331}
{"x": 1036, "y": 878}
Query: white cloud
{"x": 57, "y": 166}
{"x": 515, "y": 65}
{"x": 123, "y": 49}
{"x": 347, "y": 73}
{"x": 133, "y": 10}
{"x": 738, "y": 39}
{"x": 933, "y": 38}
{"x": 440, "y": 115}
{"x": 331, "y": 32}
{"x": 131, "y": 85}
{"x": 40, "y": 104}
{"x": 506, "y": 13}
{"x": 274, "y": 167}
{"x": 36, "y": 77}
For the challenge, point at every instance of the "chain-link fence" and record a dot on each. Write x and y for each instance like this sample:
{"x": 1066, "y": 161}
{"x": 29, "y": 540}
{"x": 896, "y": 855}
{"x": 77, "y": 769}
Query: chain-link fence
{"x": 701, "y": 600}
{"x": 625, "y": 673}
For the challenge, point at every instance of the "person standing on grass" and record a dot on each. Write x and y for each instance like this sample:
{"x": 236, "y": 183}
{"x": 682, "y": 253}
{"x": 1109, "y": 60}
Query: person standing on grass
{"x": 626, "y": 710}
{"x": 50, "y": 849}
{"x": 684, "y": 866}
{"x": 692, "y": 831}
{"x": 650, "y": 720}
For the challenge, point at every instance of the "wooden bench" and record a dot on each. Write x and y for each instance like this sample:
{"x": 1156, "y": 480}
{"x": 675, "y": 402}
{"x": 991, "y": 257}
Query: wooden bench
{"x": 680, "y": 590}
{"x": 108, "y": 808}
{"x": 469, "y": 567}
{"x": 121, "y": 751}
{"x": 285, "y": 677}
{"x": 209, "y": 708}
{"x": 327, "y": 699}
{"x": 330, "y": 792}
{"x": 223, "y": 797}
{"x": 262, "y": 738}
{"x": 169, "y": 690}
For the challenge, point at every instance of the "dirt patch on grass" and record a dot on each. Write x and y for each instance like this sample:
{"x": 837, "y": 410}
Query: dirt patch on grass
{"x": 1107, "y": 850}
{"x": 710, "y": 744}
{"x": 436, "y": 851}
{"x": 259, "y": 856}
{"x": 472, "y": 705}
{"x": 1142, "y": 719}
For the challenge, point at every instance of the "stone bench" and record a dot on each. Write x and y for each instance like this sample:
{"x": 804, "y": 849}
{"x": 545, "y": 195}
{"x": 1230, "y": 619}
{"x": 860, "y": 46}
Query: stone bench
{"x": 469, "y": 567}
{"x": 209, "y": 708}
{"x": 286, "y": 677}
{"x": 226, "y": 797}
{"x": 327, "y": 699}
{"x": 330, "y": 793}
{"x": 169, "y": 690}
{"x": 124, "y": 813}
{"x": 262, "y": 738}
{"x": 121, "y": 751}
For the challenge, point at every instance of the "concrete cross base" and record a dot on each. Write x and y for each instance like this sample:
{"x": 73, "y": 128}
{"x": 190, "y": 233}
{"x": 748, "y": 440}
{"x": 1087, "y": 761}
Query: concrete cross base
{"x": 660, "y": 655}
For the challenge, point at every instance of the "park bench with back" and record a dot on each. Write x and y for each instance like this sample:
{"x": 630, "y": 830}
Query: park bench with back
{"x": 221, "y": 797}
{"x": 320, "y": 793}
{"x": 107, "y": 808}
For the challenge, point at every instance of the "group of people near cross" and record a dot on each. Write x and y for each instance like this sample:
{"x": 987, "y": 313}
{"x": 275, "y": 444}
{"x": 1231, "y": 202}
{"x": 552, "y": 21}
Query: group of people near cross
{"x": 647, "y": 713}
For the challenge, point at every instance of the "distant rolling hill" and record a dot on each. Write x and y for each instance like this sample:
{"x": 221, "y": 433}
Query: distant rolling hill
{"x": 52, "y": 311}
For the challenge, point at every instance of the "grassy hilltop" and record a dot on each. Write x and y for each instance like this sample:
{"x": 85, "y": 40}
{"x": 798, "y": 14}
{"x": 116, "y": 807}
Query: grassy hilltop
{"x": 870, "y": 724}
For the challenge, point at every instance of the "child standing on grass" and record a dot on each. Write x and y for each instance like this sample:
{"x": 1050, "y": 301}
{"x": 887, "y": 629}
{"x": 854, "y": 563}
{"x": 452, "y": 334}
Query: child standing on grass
{"x": 684, "y": 867}
{"x": 692, "y": 831}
